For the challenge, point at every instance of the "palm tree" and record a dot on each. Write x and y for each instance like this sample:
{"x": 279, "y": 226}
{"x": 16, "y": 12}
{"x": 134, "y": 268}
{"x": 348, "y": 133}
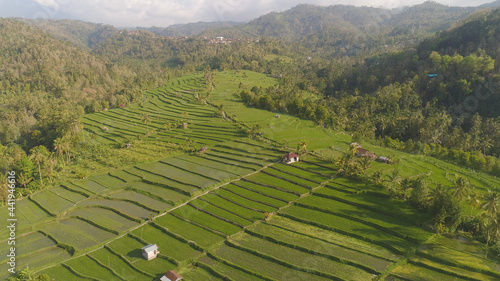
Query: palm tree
{"x": 24, "y": 180}
{"x": 38, "y": 154}
{"x": 146, "y": 120}
{"x": 49, "y": 167}
{"x": 474, "y": 200}
{"x": 406, "y": 186}
{"x": 462, "y": 188}
{"x": 302, "y": 146}
{"x": 26, "y": 275}
{"x": 439, "y": 193}
{"x": 491, "y": 204}
{"x": 394, "y": 179}
{"x": 377, "y": 177}
{"x": 365, "y": 163}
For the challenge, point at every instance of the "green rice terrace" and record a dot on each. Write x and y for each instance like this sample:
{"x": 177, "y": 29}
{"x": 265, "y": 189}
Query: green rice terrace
{"x": 233, "y": 211}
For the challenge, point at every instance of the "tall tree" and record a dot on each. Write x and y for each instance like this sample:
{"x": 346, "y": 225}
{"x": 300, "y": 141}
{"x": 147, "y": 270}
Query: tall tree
{"x": 462, "y": 188}
{"x": 39, "y": 154}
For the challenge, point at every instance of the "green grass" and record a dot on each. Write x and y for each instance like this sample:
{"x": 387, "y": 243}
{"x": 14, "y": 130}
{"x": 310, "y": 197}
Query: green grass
{"x": 121, "y": 206}
{"x": 142, "y": 199}
{"x": 347, "y": 226}
{"x": 60, "y": 272}
{"x": 51, "y": 201}
{"x": 118, "y": 265}
{"x": 245, "y": 202}
{"x": 71, "y": 196}
{"x": 28, "y": 244}
{"x": 50, "y": 255}
{"x": 276, "y": 182}
{"x": 156, "y": 190}
{"x": 129, "y": 247}
{"x": 262, "y": 266}
{"x": 273, "y": 194}
{"x": 226, "y": 270}
{"x": 89, "y": 267}
{"x": 248, "y": 198}
{"x": 320, "y": 245}
{"x": 200, "y": 169}
{"x": 105, "y": 218}
{"x": 294, "y": 169}
{"x": 342, "y": 240}
{"x": 168, "y": 245}
{"x": 190, "y": 213}
{"x": 189, "y": 231}
{"x": 221, "y": 211}
{"x": 178, "y": 175}
{"x": 392, "y": 223}
{"x": 301, "y": 259}
{"x": 90, "y": 231}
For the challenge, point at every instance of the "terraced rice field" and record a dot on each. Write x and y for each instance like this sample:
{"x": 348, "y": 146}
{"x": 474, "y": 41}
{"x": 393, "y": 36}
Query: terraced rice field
{"x": 73, "y": 217}
{"x": 221, "y": 215}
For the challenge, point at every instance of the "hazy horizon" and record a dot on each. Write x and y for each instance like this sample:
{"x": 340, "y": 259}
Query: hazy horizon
{"x": 163, "y": 13}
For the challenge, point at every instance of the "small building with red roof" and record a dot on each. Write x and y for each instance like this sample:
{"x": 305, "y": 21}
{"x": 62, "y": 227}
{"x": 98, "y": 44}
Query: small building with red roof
{"x": 171, "y": 276}
{"x": 290, "y": 158}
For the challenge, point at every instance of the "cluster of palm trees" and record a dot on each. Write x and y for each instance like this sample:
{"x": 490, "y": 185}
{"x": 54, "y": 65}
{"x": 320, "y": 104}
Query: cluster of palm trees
{"x": 462, "y": 193}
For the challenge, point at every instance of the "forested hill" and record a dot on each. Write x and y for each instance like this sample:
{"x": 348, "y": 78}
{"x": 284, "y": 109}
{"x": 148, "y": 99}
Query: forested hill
{"x": 85, "y": 35}
{"x": 46, "y": 84}
{"x": 350, "y": 30}
{"x": 189, "y": 29}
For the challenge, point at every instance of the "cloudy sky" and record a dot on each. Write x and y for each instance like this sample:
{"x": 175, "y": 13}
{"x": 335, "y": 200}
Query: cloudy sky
{"x": 131, "y": 13}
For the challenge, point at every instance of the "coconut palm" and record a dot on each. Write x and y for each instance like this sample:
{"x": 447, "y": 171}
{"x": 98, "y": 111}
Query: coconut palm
{"x": 474, "y": 200}
{"x": 38, "y": 154}
{"x": 462, "y": 188}
{"x": 491, "y": 204}
{"x": 302, "y": 146}
{"x": 394, "y": 179}
{"x": 23, "y": 179}
{"x": 365, "y": 163}
{"x": 406, "y": 186}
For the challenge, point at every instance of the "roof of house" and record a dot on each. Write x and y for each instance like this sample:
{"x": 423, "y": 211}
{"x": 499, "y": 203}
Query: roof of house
{"x": 363, "y": 151}
{"x": 150, "y": 248}
{"x": 291, "y": 155}
{"x": 172, "y": 275}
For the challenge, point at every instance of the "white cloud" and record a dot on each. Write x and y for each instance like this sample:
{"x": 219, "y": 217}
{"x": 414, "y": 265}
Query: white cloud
{"x": 130, "y": 13}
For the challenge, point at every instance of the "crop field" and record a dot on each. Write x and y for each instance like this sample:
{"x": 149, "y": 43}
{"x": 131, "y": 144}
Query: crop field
{"x": 189, "y": 231}
{"x": 265, "y": 225}
{"x": 118, "y": 265}
{"x": 87, "y": 266}
{"x": 141, "y": 199}
{"x": 278, "y": 183}
{"x": 250, "y": 198}
{"x": 105, "y": 217}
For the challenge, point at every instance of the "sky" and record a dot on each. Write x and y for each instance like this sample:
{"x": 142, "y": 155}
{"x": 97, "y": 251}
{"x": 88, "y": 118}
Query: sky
{"x": 146, "y": 13}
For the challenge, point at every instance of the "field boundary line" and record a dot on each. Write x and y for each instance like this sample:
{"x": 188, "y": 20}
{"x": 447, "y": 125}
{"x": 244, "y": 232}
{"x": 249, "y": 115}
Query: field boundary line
{"x": 160, "y": 215}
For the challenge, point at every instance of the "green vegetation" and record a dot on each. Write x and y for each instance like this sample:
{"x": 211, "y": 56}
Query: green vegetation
{"x": 192, "y": 164}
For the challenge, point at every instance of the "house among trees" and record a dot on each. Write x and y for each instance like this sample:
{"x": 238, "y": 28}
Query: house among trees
{"x": 171, "y": 276}
{"x": 384, "y": 159}
{"x": 290, "y": 158}
{"x": 150, "y": 251}
{"x": 355, "y": 144}
{"x": 365, "y": 153}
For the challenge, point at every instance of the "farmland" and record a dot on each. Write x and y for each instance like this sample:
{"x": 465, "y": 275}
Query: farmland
{"x": 233, "y": 212}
